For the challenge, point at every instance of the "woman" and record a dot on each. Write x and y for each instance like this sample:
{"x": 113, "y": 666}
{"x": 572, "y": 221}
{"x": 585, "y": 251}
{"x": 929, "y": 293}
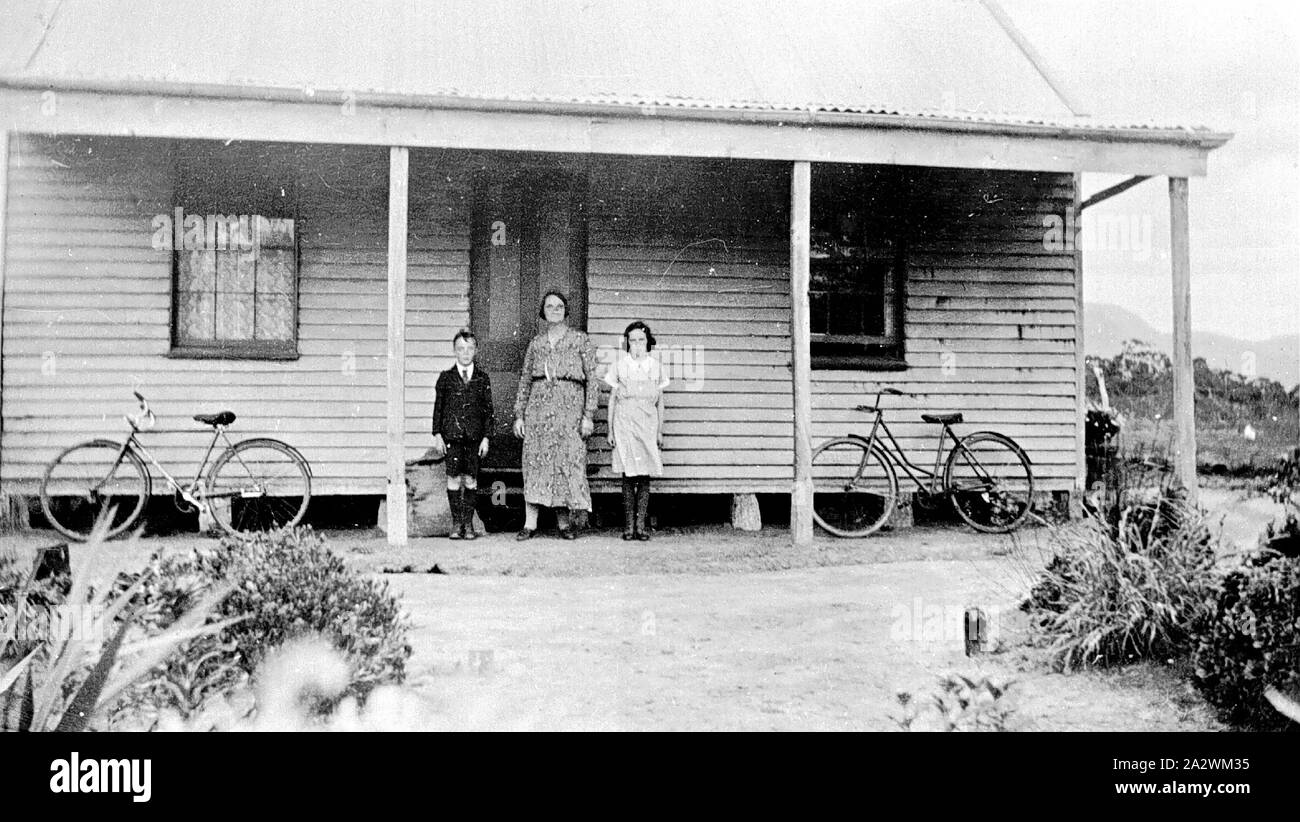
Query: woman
{"x": 554, "y": 410}
{"x": 636, "y": 420}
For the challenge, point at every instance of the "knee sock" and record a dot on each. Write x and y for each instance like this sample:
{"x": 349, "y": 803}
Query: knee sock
{"x": 453, "y": 501}
{"x": 467, "y": 495}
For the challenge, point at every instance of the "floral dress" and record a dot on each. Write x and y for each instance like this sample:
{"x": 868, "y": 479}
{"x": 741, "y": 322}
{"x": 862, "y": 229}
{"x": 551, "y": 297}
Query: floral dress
{"x": 635, "y": 421}
{"x": 558, "y": 386}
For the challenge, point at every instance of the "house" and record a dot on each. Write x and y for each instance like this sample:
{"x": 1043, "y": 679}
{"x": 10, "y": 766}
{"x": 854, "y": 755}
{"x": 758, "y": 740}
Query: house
{"x": 290, "y": 216}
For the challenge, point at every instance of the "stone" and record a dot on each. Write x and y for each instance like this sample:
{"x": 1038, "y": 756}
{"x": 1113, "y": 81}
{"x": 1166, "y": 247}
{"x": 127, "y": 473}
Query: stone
{"x": 208, "y": 525}
{"x": 903, "y": 516}
{"x": 14, "y": 512}
{"x": 744, "y": 512}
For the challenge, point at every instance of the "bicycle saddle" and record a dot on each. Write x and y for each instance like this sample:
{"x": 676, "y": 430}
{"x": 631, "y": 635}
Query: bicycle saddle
{"x": 942, "y": 419}
{"x": 223, "y": 418}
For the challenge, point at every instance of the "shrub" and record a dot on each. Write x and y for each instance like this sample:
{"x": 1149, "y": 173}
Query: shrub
{"x": 299, "y": 687}
{"x": 1253, "y": 641}
{"x": 961, "y": 703}
{"x": 287, "y": 585}
{"x": 1284, "y": 538}
{"x": 1283, "y": 484}
{"x": 57, "y": 675}
{"x": 1134, "y": 590}
{"x": 294, "y": 586}
{"x": 27, "y": 602}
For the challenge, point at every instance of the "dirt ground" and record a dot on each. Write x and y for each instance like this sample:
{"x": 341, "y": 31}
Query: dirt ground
{"x": 713, "y": 629}
{"x": 808, "y": 648}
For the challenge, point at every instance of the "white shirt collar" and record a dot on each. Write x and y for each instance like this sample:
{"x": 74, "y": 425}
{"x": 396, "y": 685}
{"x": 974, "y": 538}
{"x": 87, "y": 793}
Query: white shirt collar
{"x": 468, "y": 370}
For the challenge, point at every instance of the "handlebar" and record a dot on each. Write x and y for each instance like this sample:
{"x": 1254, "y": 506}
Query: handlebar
{"x": 145, "y": 418}
{"x": 893, "y": 392}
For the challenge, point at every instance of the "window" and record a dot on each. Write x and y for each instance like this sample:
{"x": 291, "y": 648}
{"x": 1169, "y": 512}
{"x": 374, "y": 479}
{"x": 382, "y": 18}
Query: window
{"x": 857, "y": 268}
{"x": 235, "y": 256}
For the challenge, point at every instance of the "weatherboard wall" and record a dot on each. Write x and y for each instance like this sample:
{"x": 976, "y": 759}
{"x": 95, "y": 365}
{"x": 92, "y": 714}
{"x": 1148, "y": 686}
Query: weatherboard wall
{"x": 87, "y": 312}
{"x": 696, "y": 248}
{"x": 700, "y": 251}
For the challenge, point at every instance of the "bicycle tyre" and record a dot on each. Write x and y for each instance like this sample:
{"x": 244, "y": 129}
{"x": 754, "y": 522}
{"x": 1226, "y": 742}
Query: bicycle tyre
{"x": 78, "y": 522}
{"x": 837, "y": 508}
{"x": 232, "y": 478}
{"x": 980, "y": 509}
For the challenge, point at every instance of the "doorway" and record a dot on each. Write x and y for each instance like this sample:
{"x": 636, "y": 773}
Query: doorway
{"x": 529, "y": 236}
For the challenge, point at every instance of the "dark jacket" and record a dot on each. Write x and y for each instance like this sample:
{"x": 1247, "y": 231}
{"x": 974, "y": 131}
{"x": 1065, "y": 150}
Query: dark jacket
{"x": 463, "y": 411}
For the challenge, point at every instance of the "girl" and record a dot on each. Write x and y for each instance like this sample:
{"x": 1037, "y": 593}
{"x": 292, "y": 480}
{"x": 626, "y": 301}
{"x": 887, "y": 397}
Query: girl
{"x": 636, "y": 417}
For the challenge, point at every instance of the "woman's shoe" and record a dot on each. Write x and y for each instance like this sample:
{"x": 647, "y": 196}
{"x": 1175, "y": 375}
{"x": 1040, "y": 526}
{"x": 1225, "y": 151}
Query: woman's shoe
{"x": 629, "y": 535}
{"x": 569, "y": 533}
{"x": 455, "y": 534}
{"x": 642, "y": 536}
{"x": 527, "y": 533}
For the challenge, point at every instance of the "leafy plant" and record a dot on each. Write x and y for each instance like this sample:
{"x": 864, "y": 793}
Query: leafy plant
{"x": 1283, "y": 485}
{"x": 1135, "y": 590}
{"x": 289, "y": 585}
{"x": 1252, "y": 643}
{"x": 961, "y": 703}
{"x": 1284, "y": 538}
{"x": 80, "y": 666}
{"x": 301, "y": 686}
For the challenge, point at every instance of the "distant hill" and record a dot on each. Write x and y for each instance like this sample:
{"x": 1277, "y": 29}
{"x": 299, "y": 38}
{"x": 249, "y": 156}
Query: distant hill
{"x": 1108, "y": 326}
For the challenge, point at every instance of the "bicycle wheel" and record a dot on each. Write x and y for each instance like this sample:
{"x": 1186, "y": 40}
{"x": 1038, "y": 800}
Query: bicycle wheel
{"x": 854, "y": 489}
{"x": 990, "y": 482}
{"x": 91, "y": 480}
{"x": 258, "y": 485}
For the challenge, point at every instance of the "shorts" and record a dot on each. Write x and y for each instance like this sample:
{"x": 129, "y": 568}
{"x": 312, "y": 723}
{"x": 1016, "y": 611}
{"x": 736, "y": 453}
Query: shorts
{"x": 462, "y": 458}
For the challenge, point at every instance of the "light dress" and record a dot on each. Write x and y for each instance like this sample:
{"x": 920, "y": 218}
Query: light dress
{"x": 635, "y": 420}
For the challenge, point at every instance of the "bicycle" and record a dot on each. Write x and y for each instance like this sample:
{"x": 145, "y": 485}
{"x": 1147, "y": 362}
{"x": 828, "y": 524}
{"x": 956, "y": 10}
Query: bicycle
{"x": 253, "y": 485}
{"x": 987, "y": 476}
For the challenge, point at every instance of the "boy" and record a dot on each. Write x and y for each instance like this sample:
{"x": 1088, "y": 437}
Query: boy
{"x": 462, "y": 423}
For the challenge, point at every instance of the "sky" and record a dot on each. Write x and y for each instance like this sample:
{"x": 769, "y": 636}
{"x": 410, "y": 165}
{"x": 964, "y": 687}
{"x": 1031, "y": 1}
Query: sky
{"x": 1232, "y": 66}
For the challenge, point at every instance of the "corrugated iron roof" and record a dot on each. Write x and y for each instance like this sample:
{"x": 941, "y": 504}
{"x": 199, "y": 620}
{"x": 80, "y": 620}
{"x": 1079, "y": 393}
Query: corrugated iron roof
{"x": 940, "y": 60}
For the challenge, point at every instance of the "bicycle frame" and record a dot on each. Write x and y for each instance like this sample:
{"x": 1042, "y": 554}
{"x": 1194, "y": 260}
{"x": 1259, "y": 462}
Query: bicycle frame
{"x": 133, "y": 443}
{"x": 898, "y": 455}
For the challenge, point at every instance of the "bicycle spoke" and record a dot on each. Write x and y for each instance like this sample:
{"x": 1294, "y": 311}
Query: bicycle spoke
{"x": 990, "y": 482}
{"x": 853, "y": 490}
{"x": 266, "y": 487}
{"x": 91, "y": 481}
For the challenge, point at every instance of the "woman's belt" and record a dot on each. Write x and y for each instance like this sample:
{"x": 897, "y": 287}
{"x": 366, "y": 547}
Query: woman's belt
{"x": 567, "y": 379}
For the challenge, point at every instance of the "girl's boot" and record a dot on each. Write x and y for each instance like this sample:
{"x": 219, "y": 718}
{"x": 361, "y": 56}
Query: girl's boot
{"x": 642, "y": 506}
{"x": 629, "y": 508}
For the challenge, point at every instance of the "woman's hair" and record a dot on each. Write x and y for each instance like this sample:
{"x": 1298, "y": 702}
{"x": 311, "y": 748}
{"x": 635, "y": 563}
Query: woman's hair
{"x": 649, "y": 338}
{"x": 541, "y": 309}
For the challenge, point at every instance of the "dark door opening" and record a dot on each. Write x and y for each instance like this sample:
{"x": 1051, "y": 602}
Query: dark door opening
{"x": 528, "y": 237}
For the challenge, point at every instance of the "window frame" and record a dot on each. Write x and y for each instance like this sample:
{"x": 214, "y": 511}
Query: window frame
{"x": 864, "y": 352}
{"x": 241, "y": 349}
